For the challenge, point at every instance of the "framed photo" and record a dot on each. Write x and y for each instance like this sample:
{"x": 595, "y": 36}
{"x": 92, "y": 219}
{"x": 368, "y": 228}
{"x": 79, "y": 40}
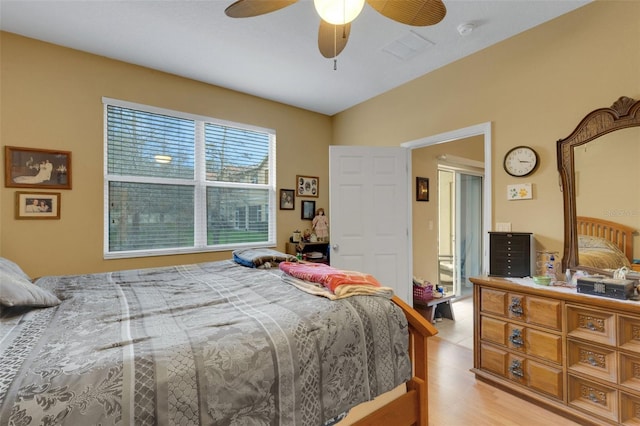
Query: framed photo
{"x": 37, "y": 205}
{"x": 422, "y": 189}
{"x": 307, "y": 186}
{"x": 308, "y": 209}
{"x": 37, "y": 168}
{"x": 287, "y": 199}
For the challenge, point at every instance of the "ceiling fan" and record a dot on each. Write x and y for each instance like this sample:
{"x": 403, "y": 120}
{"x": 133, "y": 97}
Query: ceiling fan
{"x": 336, "y": 16}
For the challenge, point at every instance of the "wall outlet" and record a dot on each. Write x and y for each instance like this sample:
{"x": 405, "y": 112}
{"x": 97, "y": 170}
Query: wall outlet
{"x": 503, "y": 226}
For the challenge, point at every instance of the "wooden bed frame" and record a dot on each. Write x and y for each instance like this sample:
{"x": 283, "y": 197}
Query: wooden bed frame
{"x": 620, "y": 235}
{"x": 412, "y": 407}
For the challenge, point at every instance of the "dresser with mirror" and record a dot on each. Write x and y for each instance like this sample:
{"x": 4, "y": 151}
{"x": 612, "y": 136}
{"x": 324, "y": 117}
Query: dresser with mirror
{"x": 576, "y": 354}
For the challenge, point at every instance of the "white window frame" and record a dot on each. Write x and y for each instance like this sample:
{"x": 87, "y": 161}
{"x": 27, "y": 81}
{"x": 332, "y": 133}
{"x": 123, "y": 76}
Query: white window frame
{"x": 199, "y": 182}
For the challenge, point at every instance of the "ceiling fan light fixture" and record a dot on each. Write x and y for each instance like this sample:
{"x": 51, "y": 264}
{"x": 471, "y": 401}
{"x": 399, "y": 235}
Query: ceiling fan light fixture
{"x": 338, "y": 12}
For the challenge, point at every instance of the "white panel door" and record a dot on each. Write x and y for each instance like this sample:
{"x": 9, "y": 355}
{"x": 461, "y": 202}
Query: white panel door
{"x": 369, "y": 213}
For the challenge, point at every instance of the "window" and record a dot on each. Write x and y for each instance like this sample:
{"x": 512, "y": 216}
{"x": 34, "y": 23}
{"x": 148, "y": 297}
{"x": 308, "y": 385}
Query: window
{"x": 177, "y": 183}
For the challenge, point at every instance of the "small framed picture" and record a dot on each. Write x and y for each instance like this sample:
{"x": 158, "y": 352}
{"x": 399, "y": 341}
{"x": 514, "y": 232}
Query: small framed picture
{"x": 307, "y": 186}
{"x": 422, "y": 189}
{"x": 308, "y": 209}
{"x": 287, "y": 199}
{"x": 37, "y": 205}
{"x": 37, "y": 168}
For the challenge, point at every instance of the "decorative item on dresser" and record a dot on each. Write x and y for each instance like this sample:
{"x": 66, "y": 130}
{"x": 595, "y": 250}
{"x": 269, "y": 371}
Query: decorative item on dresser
{"x": 576, "y": 354}
{"x": 511, "y": 254}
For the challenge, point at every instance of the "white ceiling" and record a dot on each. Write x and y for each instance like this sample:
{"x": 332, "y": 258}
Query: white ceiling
{"x": 273, "y": 56}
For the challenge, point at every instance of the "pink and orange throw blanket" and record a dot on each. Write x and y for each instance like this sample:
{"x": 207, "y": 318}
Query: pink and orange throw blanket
{"x": 324, "y": 280}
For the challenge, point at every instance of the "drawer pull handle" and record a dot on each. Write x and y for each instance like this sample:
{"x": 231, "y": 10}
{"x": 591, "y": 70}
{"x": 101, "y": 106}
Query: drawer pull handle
{"x": 592, "y": 361}
{"x": 516, "y": 369}
{"x": 516, "y": 338}
{"x": 591, "y": 326}
{"x": 515, "y": 307}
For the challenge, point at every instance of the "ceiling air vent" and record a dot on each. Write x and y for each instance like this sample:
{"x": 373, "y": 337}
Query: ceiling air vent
{"x": 408, "y": 46}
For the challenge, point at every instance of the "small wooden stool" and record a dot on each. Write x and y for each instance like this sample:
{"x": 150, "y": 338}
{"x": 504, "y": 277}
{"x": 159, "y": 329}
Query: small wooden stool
{"x": 441, "y": 305}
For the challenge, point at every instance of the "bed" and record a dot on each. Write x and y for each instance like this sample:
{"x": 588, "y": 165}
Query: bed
{"x": 604, "y": 244}
{"x": 211, "y": 343}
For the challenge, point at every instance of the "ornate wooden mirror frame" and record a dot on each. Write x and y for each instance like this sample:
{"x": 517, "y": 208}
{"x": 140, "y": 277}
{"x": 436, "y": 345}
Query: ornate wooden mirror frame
{"x": 624, "y": 113}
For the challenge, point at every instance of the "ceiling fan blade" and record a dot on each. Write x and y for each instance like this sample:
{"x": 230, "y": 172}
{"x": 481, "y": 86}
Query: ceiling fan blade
{"x": 249, "y": 8}
{"x": 332, "y": 39}
{"x": 419, "y": 13}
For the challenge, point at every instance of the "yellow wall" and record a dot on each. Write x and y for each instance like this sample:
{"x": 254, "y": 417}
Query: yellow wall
{"x": 52, "y": 98}
{"x": 534, "y": 88}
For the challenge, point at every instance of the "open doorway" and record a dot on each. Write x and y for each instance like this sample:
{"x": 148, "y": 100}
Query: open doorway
{"x": 472, "y": 142}
{"x": 459, "y": 226}
{"x": 425, "y": 232}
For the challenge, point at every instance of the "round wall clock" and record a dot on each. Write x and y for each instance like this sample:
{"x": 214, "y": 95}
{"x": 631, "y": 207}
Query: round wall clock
{"x": 521, "y": 161}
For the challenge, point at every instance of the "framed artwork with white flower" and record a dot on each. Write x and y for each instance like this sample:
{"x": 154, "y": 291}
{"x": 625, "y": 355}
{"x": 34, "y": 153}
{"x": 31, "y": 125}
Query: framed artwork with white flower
{"x": 37, "y": 168}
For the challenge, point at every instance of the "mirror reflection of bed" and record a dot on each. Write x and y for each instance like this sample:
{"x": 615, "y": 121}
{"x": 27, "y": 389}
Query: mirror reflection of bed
{"x": 606, "y": 205}
{"x": 605, "y": 244}
{"x": 599, "y": 177}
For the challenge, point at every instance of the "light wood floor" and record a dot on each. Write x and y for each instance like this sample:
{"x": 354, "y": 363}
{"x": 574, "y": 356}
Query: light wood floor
{"x": 456, "y": 398}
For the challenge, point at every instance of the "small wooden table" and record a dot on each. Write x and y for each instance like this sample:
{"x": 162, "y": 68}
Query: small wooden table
{"x": 441, "y": 305}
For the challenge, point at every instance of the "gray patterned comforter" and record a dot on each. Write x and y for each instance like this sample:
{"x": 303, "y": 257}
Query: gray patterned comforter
{"x": 207, "y": 344}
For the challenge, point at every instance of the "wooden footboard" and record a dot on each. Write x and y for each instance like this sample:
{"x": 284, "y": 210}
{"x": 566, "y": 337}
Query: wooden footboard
{"x": 412, "y": 407}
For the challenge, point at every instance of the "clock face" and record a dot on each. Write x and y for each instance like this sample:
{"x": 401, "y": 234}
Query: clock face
{"x": 520, "y": 161}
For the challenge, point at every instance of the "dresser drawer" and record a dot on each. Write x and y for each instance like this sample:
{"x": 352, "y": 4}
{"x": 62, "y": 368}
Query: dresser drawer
{"x": 591, "y": 325}
{"x": 629, "y": 409}
{"x": 522, "y": 370}
{"x": 522, "y": 339}
{"x": 544, "y": 378}
{"x": 493, "y": 359}
{"x": 544, "y": 345}
{"x": 629, "y": 366}
{"x": 629, "y": 333}
{"x": 493, "y": 301}
{"x": 596, "y": 361}
{"x": 593, "y": 397}
{"x": 493, "y": 330}
{"x": 544, "y": 312}
{"x": 503, "y": 363}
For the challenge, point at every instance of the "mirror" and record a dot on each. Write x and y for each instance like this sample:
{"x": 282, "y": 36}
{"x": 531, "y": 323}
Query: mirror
{"x": 599, "y": 165}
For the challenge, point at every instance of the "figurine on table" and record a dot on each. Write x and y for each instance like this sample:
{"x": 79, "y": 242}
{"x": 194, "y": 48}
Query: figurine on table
{"x": 320, "y": 225}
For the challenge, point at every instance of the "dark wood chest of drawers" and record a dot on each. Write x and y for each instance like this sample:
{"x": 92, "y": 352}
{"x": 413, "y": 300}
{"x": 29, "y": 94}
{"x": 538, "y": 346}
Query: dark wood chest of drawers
{"x": 511, "y": 254}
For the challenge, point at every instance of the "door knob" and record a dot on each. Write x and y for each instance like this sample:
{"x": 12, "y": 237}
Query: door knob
{"x": 335, "y": 246}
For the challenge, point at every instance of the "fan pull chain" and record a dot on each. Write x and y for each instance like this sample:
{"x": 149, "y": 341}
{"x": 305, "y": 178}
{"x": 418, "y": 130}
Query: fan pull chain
{"x": 335, "y": 47}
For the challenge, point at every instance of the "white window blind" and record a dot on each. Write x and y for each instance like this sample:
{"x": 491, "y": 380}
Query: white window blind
{"x": 176, "y": 182}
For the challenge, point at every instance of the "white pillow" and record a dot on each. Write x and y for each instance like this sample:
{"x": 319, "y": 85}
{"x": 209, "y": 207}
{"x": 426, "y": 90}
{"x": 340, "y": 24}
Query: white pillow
{"x": 17, "y": 290}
